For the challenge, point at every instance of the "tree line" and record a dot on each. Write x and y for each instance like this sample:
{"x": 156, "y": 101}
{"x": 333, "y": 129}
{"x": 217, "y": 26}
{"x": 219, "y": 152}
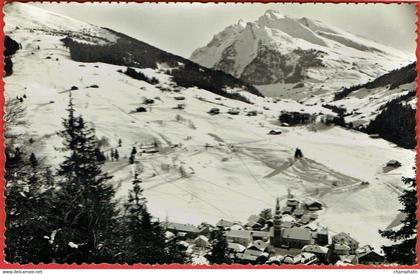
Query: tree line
{"x": 70, "y": 214}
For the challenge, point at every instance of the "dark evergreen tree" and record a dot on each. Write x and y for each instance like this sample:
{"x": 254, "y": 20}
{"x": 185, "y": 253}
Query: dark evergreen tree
{"x": 33, "y": 161}
{"x": 403, "y": 251}
{"x": 119, "y": 142}
{"x": 219, "y": 252}
{"x": 85, "y": 210}
{"x": 145, "y": 238}
{"x": 132, "y": 157}
{"x": 116, "y": 155}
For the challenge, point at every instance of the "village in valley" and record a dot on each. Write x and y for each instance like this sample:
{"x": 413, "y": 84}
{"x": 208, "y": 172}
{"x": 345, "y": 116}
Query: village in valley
{"x": 290, "y": 236}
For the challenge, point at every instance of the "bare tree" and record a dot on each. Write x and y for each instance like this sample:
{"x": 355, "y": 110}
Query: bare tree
{"x": 14, "y": 115}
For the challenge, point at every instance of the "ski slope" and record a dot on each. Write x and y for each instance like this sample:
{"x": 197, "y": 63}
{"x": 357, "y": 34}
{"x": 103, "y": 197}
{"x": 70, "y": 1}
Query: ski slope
{"x": 207, "y": 166}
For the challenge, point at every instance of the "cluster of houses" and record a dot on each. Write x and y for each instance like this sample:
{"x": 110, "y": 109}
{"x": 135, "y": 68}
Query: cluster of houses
{"x": 291, "y": 236}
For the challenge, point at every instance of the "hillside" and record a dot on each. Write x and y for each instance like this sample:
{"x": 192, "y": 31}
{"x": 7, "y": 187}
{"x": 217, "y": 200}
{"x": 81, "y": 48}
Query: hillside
{"x": 297, "y": 57}
{"x": 195, "y": 166}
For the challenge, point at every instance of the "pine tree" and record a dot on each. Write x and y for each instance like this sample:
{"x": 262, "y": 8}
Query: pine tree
{"x": 84, "y": 204}
{"x": 33, "y": 160}
{"x": 219, "y": 252}
{"x": 119, "y": 142}
{"x": 404, "y": 250}
{"x": 146, "y": 239}
{"x": 132, "y": 155}
{"x": 116, "y": 155}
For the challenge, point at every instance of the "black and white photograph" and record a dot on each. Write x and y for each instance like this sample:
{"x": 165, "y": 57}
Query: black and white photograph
{"x": 279, "y": 134}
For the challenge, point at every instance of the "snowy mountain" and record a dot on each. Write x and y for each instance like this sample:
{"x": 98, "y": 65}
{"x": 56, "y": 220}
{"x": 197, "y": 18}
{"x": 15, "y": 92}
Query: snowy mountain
{"x": 202, "y": 167}
{"x": 297, "y": 57}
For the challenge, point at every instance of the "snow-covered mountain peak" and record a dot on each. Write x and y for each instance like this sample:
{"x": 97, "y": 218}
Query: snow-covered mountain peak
{"x": 241, "y": 23}
{"x": 277, "y": 51}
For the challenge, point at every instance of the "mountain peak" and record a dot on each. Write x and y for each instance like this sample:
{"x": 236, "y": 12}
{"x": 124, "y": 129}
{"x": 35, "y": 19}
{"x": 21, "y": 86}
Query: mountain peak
{"x": 274, "y": 14}
{"x": 241, "y": 23}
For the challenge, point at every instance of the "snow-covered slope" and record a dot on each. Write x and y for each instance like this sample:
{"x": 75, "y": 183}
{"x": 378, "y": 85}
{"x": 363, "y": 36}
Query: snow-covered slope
{"x": 362, "y": 103}
{"x": 207, "y": 167}
{"x": 276, "y": 52}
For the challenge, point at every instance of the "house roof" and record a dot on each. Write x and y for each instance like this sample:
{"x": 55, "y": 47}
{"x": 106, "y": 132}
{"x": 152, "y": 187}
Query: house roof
{"x": 277, "y": 258}
{"x": 315, "y": 249}
{"x": 260, "y": 245}
{"x": 260, "y": 234}
{"x": 296, "y": 233}
{"x": 182, "y": 227}
{"x": 344, "y": 237}
{"x": 312, "y": 226}
{"x": 238, "y": 234}
{"x": 365, "y": 250}
{"x": 236, "y": 227}
{"x": 309, "y": 201}
{"x": 236, "y": 247}
{"x": 342, "y": 247}
{"x": 288, "y": 218}
{"x": 201, "y": 238}
{"x": 224, "y": 223}
{"x": 305, "y": 219}
{"x": 248, "y": 257}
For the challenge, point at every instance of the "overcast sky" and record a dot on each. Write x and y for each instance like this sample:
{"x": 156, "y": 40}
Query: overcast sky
{"x": 181, "y": 28}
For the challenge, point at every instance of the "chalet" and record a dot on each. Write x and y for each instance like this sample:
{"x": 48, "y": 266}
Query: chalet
{"x": 233, "y": 111}
{"x": 345, "y": 238}
{"x": 183, "y": 230}
{"x": 321, "y": 252}
{"x": 367, "y": 255}
{"x": 256, "y": 248}
{"x": 296, "y": 237}
{"x": 202, "y": 241}
{"x": 312, "y": 204}
{"x": 393, "y": 163}
{"x": 214, "y": 111}
{"x": 180, "y": 106}
{"x": 242, "y": 237}
{"x": 148, "y": 101}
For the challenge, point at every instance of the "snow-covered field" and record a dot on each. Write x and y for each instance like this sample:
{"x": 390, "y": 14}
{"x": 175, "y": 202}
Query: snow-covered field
{"x": 208, "y": 166}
